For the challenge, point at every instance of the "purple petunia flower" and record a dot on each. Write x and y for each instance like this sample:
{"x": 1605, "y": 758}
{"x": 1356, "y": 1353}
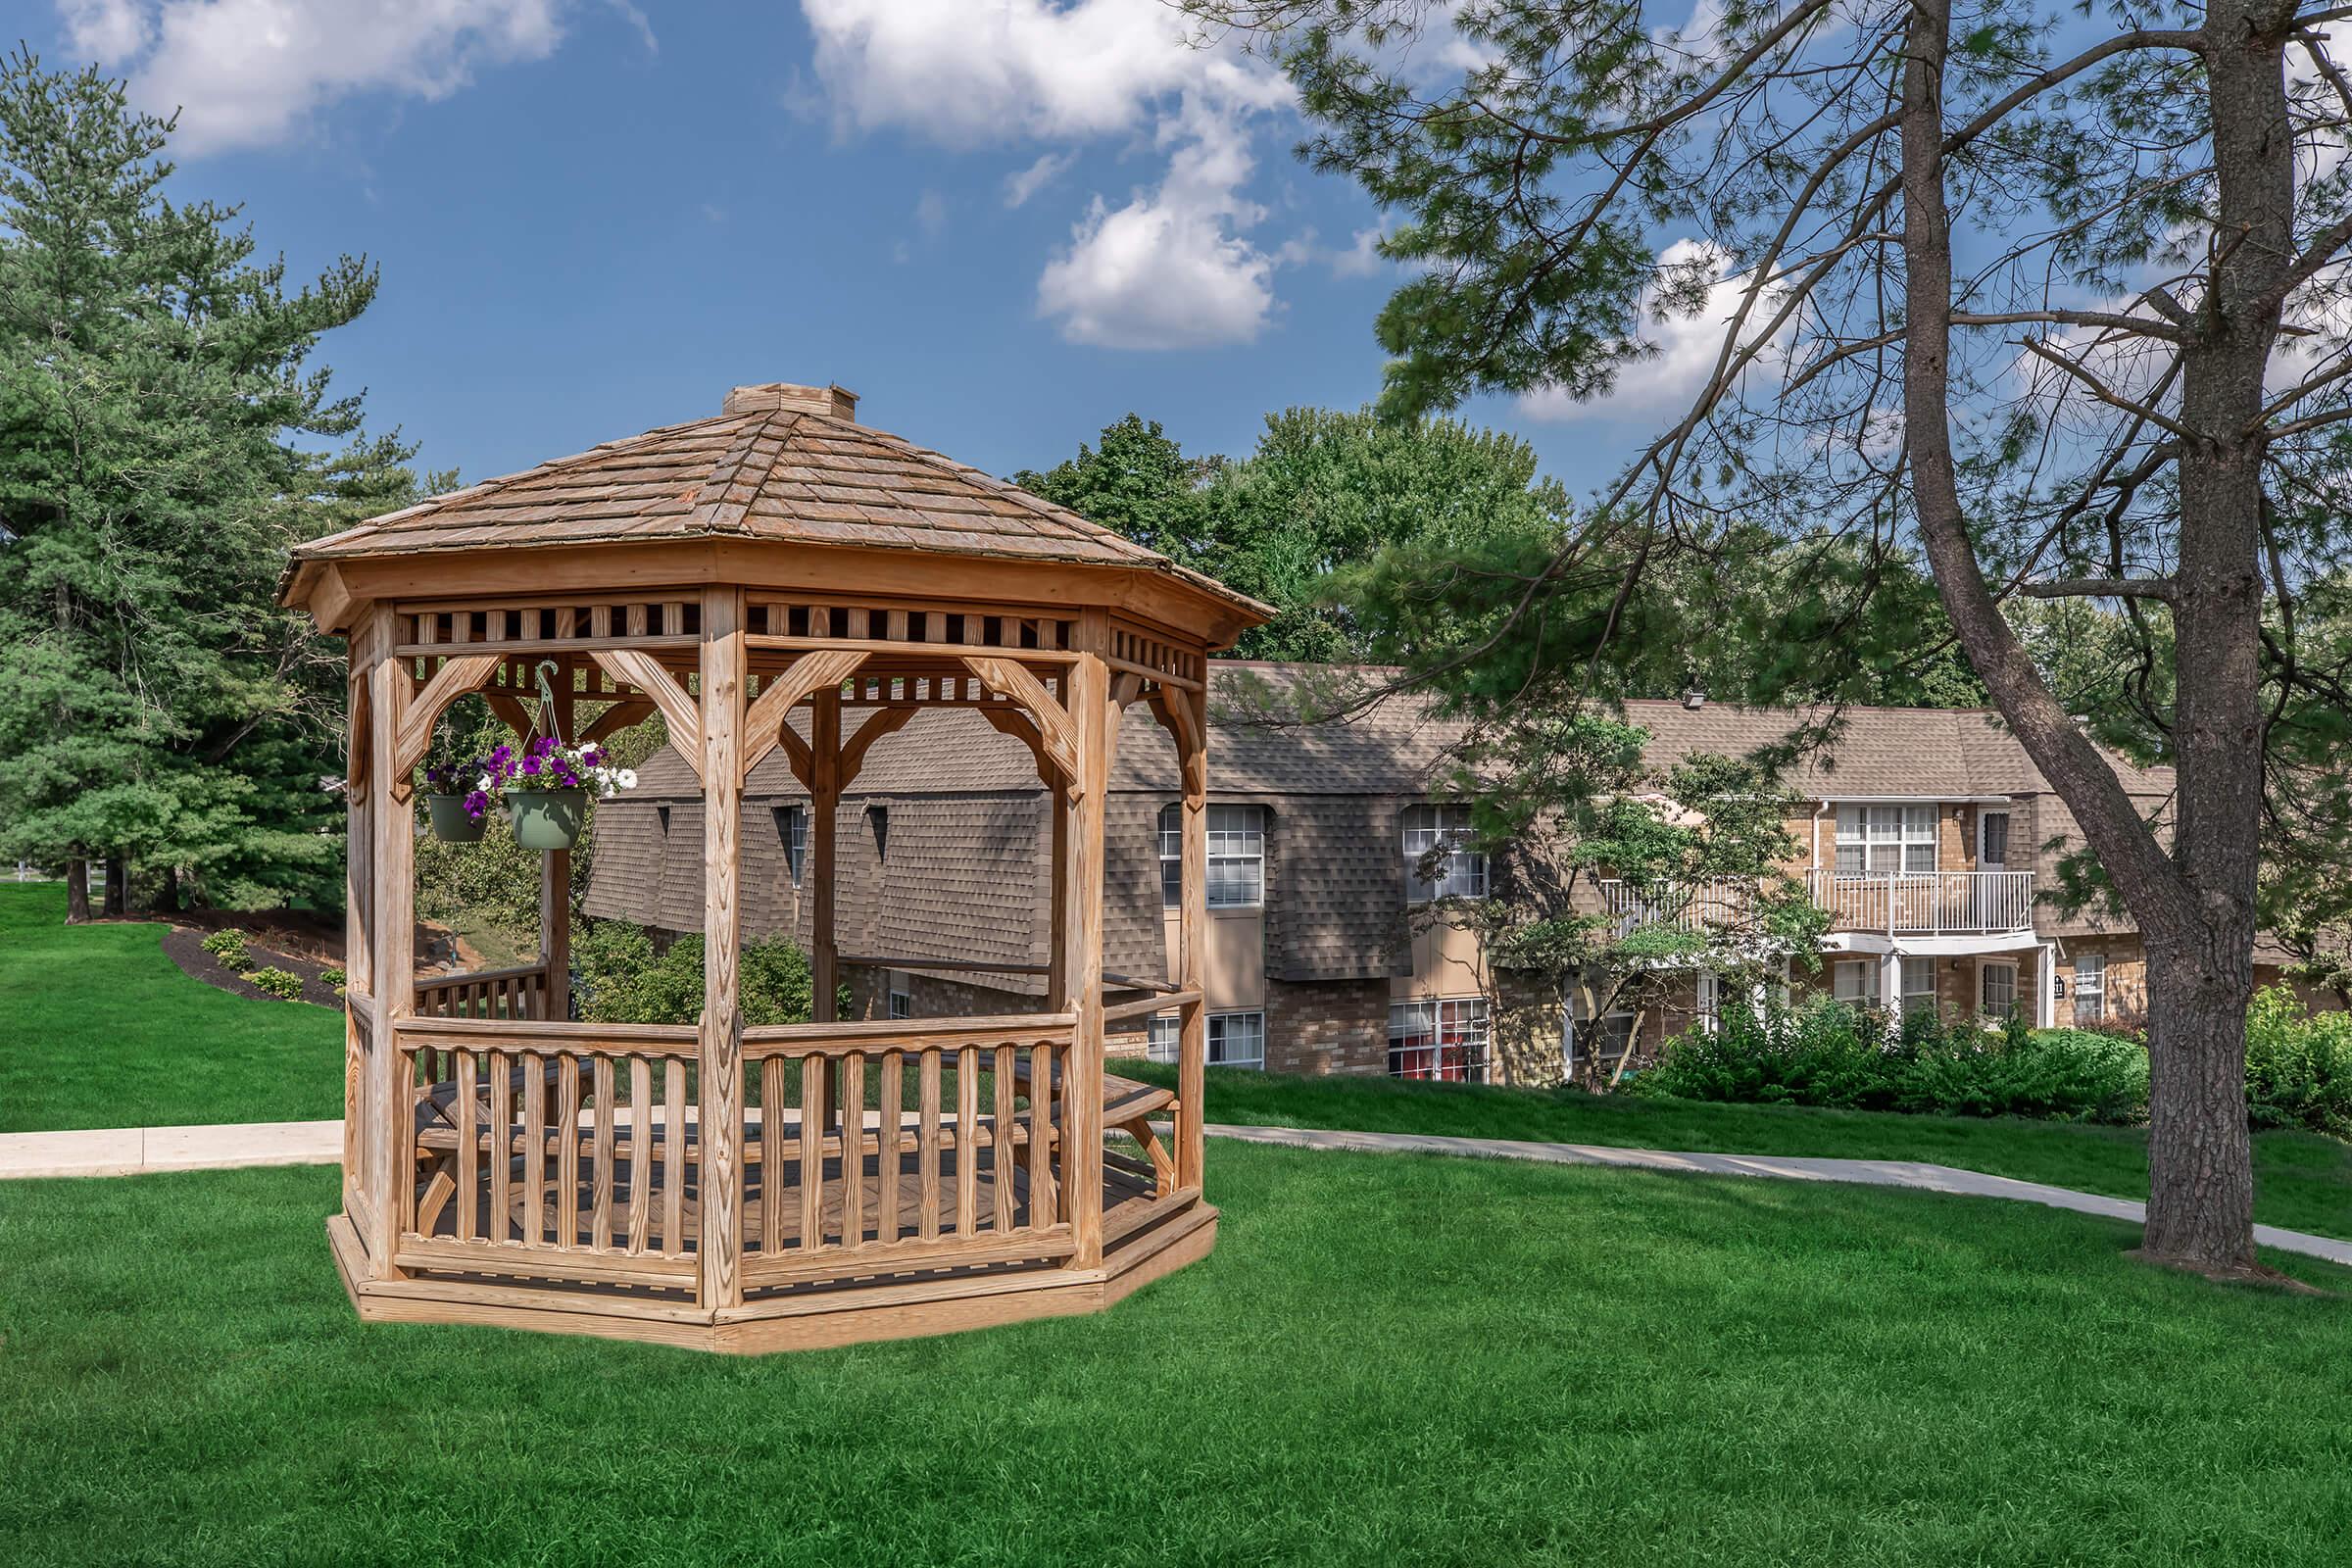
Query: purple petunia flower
{"x": 530, "y": 766}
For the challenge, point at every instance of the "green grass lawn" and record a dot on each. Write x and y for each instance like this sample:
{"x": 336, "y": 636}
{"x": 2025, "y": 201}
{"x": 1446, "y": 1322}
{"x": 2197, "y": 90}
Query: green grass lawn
{"x": 2302, "y": 1180}
{"x": 99, "y": 1029}
{"x": 1386, "y": 1360}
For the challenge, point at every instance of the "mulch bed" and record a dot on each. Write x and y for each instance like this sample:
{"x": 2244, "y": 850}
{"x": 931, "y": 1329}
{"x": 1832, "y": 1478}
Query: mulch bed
{"x": 297, "y": 933}
{"x": 184, "y": 946}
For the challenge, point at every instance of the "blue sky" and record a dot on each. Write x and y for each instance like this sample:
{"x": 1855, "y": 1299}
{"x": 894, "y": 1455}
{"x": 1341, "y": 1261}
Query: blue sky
{"x": 1004, "y": 222}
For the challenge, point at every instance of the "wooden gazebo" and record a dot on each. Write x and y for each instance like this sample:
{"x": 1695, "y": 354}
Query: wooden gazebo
{"x": 777, "y": 576}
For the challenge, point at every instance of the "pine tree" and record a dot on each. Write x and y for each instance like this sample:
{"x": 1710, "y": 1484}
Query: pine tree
{"x": 158, "y": 421}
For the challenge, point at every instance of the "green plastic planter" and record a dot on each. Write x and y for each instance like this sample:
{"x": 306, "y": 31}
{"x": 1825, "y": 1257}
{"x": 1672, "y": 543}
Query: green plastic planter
{"x": 548, "y": 819}
{"x": 451, "y": 824}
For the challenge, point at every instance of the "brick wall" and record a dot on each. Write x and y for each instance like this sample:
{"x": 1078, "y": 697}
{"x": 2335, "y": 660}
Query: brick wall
{"x": 1321, "y": 1026}
{"x": 2127, "y": 976}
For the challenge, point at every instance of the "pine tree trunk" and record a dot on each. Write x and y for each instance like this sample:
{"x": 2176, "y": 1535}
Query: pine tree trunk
{"x": 118, "y": 887}
{"x": 2200, "y": 1153}
{"x": 77, "y": 892}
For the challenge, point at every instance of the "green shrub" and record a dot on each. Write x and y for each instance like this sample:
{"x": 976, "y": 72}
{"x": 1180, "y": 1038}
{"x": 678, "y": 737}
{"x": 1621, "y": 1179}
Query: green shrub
{"x": 1828, "y": 1054}
{"x": 621, "y": 980}
{"x": 333, "y": 975}
{"x": 283, "y": 984}
{"x": 2298, "y": 1065}
{"x": 228, "y": 945}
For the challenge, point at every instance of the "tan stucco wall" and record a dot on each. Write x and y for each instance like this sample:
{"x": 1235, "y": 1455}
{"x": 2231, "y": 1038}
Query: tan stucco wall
{"x": 1237, "y": 957}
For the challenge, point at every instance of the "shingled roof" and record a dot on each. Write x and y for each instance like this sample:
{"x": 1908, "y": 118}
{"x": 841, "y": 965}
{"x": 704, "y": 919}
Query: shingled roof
{"x": 783, "y": 464}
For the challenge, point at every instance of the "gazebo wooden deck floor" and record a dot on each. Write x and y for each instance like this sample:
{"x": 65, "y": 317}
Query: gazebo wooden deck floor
{"x": 779, "y": 577}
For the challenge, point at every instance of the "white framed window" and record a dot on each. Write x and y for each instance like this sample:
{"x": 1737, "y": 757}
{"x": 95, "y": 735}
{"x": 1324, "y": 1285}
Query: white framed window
{"x": 791, "y": 826}
{"x": 1171, "y": 857}
{"x": 1876, "y": 840}
{"x": 1444, "y": 1038}
{"x": 1993, "y": 840}
{"x": 899, "y": 1002}
{"x": 1996, "y": 988}
{"x": 1608, "y": 1040}
{"x": 1162, "y": 1037}
{"x": 1237, "y": 1039}
{"x": 1461, "y": 870}
{"x": 1919, "y": 985}
{"x": 1236, "y": 856}
{"x": 1707, "y": 1005}
{"x": 1854, "y": 982}
{"x": 2090, "y": 987}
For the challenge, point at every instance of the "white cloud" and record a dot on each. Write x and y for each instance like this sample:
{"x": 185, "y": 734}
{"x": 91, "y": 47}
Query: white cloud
{"x": 1362, "y": 257}
{"x": 1024, "y": 184}
{"x": 252, "y": 72}
{"x": 1170, "y": 266}
{"x": 1687, "y": 347}
{"x": 1169, "y": 269}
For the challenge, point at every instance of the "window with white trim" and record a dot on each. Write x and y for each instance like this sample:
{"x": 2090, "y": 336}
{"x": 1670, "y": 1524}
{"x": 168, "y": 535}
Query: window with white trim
{"x": 1237, "y": 857}
{"x": 1996, "y": 989}
{"x": 1992, "y": 838}
{"x": 791, "y": 826}
{"x": 1609, "y": 1039}
{"x": 1462, "y": 868}
{"x": 1707, "y": 1005}
{"x": 899, "y": 1002}
{"x": 1237, "y": 1039}
{"x": 1876, "y": 840}
{"x": 2090, "y": 987}
{"x": 1854, "y": 982}
{"x": 1444, "y": 1038}
{"x": 1171, "y": 858}
{"x": 1919, "y": 985}
{"x": 1162, "y": 1036}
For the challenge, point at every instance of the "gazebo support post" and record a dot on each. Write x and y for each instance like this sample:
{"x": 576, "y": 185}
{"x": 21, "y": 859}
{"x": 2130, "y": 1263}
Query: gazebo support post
{"x": 1192, "y": 1052}
{"x": 1091, "y": 709}
{"x": 359, "y": 926}
{"x": 721, "y": 1042}
{"x": 824, "y": 823}
{"x": 393, "y": 868}
{"x": 555, "y": 890}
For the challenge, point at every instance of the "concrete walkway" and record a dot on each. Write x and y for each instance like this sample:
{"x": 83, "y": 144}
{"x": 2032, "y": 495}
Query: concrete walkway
{"x": 1790, "y": 1167}
{"x": 132, "y": 1150}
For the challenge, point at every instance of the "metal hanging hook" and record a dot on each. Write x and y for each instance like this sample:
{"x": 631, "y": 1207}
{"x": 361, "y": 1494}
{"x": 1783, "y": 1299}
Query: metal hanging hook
{"x": 547, "y": 671}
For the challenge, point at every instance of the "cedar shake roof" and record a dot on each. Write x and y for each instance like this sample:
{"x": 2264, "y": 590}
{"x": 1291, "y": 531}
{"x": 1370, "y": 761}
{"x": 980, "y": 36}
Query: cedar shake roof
{"x": 783, "y": 464}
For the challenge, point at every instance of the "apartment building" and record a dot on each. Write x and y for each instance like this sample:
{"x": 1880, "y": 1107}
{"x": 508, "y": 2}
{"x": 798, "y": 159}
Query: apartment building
{"x": 1927, "y": 835}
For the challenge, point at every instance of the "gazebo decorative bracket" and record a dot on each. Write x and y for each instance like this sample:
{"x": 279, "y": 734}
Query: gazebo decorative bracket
{"x": 646, "y": 672}
{"x": 763, "y": 722}
{"x": 1056, "y": 731}
{"x": 459, "y": 674}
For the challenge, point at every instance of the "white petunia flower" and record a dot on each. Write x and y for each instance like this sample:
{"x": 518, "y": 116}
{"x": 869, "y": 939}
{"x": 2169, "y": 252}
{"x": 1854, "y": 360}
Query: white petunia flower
{"x": 628, "y": 778}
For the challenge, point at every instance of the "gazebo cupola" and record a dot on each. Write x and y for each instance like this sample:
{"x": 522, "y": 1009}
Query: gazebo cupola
{"x": 776, "y": 576}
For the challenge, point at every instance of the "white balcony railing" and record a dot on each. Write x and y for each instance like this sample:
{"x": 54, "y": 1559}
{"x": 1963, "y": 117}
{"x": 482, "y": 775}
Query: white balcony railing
{"x": 1683, "y": 906}
{"x": 1926, "y": 902}
{"x": 1897, "y": 903}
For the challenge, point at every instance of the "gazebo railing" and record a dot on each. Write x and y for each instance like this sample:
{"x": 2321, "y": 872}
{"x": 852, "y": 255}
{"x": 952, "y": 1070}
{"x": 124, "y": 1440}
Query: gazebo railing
{"x": 574, "y": 1152}
{"x": 516, "y": 992}
{"x": 905, "y": 1144}
{"x": 549, "y": 1149}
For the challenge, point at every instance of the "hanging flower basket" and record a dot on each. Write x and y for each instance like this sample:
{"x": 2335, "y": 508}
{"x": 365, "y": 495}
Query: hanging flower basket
{"x": 459, "y": 818}
{"x": 546, "y": 785}
{"x": 548, "y": 819}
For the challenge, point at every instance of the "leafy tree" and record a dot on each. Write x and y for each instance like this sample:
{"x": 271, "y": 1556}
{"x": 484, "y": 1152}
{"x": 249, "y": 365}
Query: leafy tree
{"x": 1139, "y": 483}
{"x": 1621, "y": 879}
{"x": 156, "y": 396}
{"x": 2052, "y": 297}
{"x": 1326, "y": 491}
